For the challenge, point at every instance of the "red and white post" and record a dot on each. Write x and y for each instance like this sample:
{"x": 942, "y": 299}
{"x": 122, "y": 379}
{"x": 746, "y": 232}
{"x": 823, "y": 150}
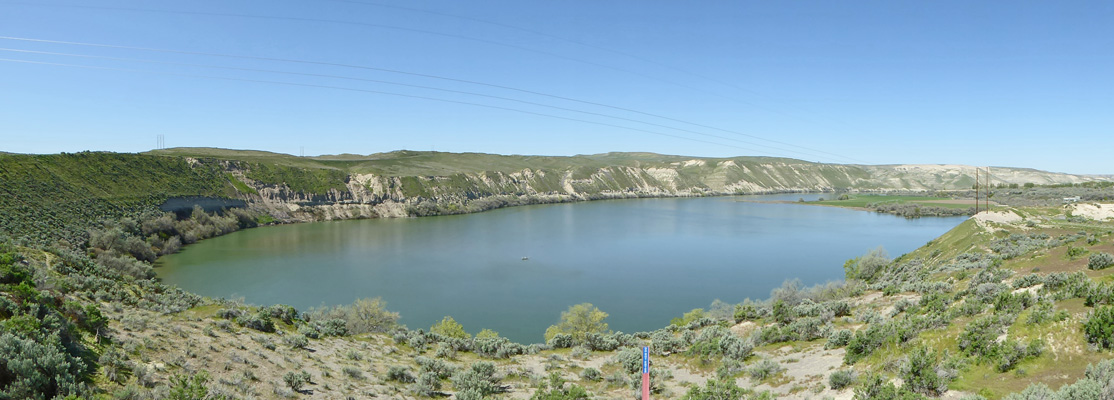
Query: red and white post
{"x": 645, "y": 373}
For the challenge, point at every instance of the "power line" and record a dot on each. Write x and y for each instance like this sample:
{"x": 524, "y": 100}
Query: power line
{"x": 430, "y": 76}
{"x": 375, "y": 92}
{"x": 404, "y": 85}
{"x": 381, "y": 26}
{"x": 573, "y": 41}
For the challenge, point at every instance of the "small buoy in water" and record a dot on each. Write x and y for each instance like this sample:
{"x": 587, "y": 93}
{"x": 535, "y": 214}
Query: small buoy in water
{"x": 525, "y": 258}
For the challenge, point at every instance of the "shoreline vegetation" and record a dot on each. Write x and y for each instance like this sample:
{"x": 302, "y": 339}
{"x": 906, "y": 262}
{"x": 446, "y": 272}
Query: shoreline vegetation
{"x": 989, "y": 308}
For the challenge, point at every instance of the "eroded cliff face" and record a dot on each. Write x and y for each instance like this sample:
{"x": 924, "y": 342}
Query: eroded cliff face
{"x": 381, "y": 196}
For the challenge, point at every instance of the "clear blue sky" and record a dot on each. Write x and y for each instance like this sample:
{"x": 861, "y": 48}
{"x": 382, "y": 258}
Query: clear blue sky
{"x": 1000, "y": 83}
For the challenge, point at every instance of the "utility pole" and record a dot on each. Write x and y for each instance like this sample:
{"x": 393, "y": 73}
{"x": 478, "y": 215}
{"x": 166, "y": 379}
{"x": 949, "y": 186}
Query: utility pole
{"x": 977, "y": 190}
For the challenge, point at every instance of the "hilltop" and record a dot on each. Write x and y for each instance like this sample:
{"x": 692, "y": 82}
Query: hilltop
{"x": 60, "y": 196}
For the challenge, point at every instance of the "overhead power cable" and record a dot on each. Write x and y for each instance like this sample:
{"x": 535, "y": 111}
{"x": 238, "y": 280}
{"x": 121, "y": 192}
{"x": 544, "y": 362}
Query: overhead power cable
{"x": 308, "y": 85}
{"x": 430, "y": 76}
{"x": 373, "y": 25}
{"x": 551, "y": 36}
{"x": 403, "y": 85}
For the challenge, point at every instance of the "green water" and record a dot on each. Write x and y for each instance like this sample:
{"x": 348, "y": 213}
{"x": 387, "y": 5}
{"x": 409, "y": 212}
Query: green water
{"x": 643, "y": 261}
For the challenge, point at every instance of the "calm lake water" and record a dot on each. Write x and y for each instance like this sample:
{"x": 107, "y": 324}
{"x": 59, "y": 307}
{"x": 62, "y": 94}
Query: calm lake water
{"x": 643, "y": 261}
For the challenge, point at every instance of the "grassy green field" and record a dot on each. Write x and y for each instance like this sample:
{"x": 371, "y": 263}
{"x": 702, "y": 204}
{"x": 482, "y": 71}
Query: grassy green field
{"x": 864, "y": 200}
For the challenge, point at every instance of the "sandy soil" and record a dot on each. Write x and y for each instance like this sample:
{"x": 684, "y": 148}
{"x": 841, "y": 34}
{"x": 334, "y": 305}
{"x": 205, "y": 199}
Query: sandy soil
{"x": 1094, "y": 211}
{"x": 1001, "y": 217}
{"x": 970, "y": 202}
{"x": 809, "y": 369}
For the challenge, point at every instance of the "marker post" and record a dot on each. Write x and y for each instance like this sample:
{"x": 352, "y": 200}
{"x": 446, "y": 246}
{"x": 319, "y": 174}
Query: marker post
{"x": 645, "y": 373}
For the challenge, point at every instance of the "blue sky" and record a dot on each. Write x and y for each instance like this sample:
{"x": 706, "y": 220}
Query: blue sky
{"x": 1024, "y": 84}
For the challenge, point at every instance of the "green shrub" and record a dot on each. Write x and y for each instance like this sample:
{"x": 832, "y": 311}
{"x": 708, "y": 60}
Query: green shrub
{"x": 663, "y": 342}
{"x": 782, "y": 312}
{"x": 715, "y": 390}
{"x": 448, "y": 327}
{"x": 807, "y": 329}
{"x": 629, "y": 360}
{"x": 1099, "y": 327}
{"x": 1043, "y": 312}
{"x": 333, "y": 327}
{"x": 838, "y": 338}
{"x": 1035, "y": 391}
{"x": 689, "y": 317}
{"x": 556, "y": 390}
{"x": 282, "y": 312}
{"x": 745, "y": 312}
{"x": 296, "y": 380}
{"x": 1074, "y": 252}
{"x": 919, "y": 373}
{"x": 978, "y": 337}
{"x": 578, "y": 322}
{"x": 1085, "y": 389}
{"x": 1010, "y": 352}
{"x": 399, "y": 373}
{"x": 735, "y": 348}
{"x": 309, "y": 332}
{"x": 868, "y": 266}
{"x": 560, "y": 341}
{"x": 1099, "y": 261}
{"x": 297, "y": 341}
{"x": 353, "y": 372}
{"x": 439, "y": 368}
{"x": 479, "y": 380}
{"x": 877, "y": 387}
{"x": 591, "y": 374}
{"x": 445, "y": 350}
{"x": 841, "y": 379}
{"x": 258, "y": 321}
{"x": 1028, "y": 281}
{"x": 32, "y": 368}
{"x": 428, "y": 385}
{"x": 496, "y": 347}
{"x": 865, "y": 341}
{"x": 362, "y": 316}
{"x": 764, "y": 369}
{"x": 598, "y": 342}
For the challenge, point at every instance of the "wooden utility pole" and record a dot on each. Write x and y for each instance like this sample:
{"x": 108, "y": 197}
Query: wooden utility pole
{"x": 987, "y": 188}
{"x": 977, "y": 190}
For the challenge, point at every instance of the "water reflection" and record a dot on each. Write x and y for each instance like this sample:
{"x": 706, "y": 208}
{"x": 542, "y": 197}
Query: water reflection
{"x": 642, "y": 261}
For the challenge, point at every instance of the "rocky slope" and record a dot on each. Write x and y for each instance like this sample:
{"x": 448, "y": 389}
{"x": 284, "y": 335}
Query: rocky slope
{"x": 428, "y": 183}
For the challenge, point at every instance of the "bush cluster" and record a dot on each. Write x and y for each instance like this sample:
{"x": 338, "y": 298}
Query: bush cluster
{"x": 477, "y": 382}
{"x": 362, "y": 316}
{"x": 1094, "y": 385}
{"x": 920, "y": 373}
{"x": 717, "y": 341}
{"x": 1099, "y": 261}
{"x": 296, "y": 380}
{"x": 1099, "y": 327}
{"x": 841, "y": 379}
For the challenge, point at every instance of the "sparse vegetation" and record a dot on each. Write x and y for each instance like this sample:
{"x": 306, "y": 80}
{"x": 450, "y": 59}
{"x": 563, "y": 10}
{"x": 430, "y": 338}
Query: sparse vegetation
{"x": 81, "y": 316}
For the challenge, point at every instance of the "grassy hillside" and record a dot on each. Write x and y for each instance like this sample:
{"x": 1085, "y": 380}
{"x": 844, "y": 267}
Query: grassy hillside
{"x": 50, "y": 197}
{"x": 1004, "y": 301}
{"x": 58, "y": 197}
{"x": 985, "y": 310}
